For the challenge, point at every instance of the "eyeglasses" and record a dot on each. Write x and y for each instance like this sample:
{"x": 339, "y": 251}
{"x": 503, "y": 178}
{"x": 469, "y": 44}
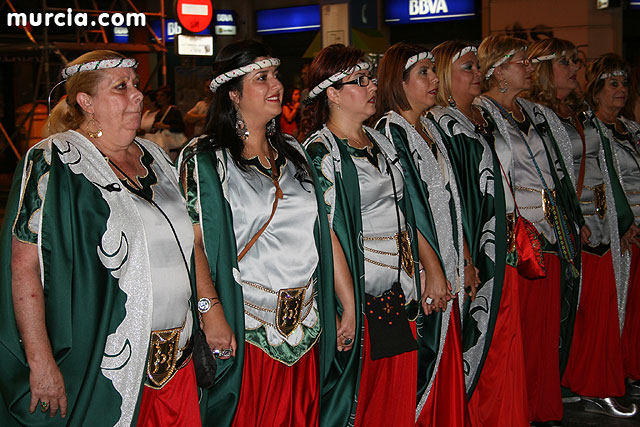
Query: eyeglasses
{"x": 362, "y": 81}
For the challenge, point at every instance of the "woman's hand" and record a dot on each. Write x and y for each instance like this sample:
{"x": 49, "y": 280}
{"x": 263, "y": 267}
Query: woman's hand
{"x": 438, "y": 289}
{"x": 629, "y": 238}
{"x": 471, "y": 280}
{"x": 585, "y": 234}
{"x": 47, "y": 387}
{"x": 219, "y": 334}
{"x": 346, "y": 330}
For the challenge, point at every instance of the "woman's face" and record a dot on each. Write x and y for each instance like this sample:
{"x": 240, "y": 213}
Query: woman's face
{"x": 117, "y": 104}
{"x": 465, "y": 77}
{"x": 421, "y": 88}
{"x": 356, "y": 100}
{"x": 613, "y": 94}
{"x": 517, "y": 72}
{"x": 565, "y": 80}
{"x": 295, "y": 96}
{"x": 163, "y": 98}
{"x": 261, "y": 98}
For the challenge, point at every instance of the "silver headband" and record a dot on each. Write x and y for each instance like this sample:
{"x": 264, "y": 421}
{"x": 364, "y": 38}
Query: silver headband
{"x": 463, "y": 52}
{"x": 543, "y": 58}
{"x": 419, "y": 57}
{"x": 241, "y": 71}
{"x": 613, "y": 74}
{"x": 98, "y": 65}
{"x": 336, "y": 78}
{"x": 502, "y": 61}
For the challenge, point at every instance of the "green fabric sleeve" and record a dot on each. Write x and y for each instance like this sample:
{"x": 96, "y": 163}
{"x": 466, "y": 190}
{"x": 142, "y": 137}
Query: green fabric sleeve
{"x": 190, "y": 188}
{"x": 317, "y": 152}
{"x": 624, "y": 212}
{"x": 26, "y": 229}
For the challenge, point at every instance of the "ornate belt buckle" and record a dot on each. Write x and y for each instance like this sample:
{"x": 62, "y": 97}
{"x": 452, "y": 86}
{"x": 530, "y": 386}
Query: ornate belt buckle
{"x": 289, "y": 309}
{"x": 404, "y": 251}
{"x": 547, "y": 205}
{"x": 511, "y": 232}
{"x": 600, "y": 200}
{"x": 162, "y": 356}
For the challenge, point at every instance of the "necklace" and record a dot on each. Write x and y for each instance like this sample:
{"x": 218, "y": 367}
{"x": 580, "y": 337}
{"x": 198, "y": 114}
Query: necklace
{"x": 359, "y": 143}
{"x": 135, "y": 183}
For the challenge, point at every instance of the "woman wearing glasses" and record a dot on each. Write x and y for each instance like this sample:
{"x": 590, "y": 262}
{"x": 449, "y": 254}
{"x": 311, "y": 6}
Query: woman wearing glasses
{"x": 596, "y": 340}
{"x": 375, "y": 243}
{"x": 537, "y": 187}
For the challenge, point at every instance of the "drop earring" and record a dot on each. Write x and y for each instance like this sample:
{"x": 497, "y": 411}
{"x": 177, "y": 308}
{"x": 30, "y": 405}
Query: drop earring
{"x": 451, "y": 101}
{"x": 271, "y": 127}
{"x": 503, "y": 89}
{"x": 93, "y": 134}
{"x": 241, "y": 126}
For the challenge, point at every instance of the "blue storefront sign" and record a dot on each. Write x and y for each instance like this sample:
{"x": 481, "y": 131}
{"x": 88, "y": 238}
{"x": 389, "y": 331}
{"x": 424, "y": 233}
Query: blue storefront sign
{"x": 415, "y": 11}
{"x": 288, "y": 19}
{"x": 634, "y": 4}
{"x": 225, "y": 22}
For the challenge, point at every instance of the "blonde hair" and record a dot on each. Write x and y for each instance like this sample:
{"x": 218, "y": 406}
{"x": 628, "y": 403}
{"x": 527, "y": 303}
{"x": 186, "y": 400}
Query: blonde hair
{"x": 67, "y": 114}
{"x": 605, "y": 63}
{"x": 443, "y": 54}
{"x": 543, "y": 88}
{"x": 492, "y": 49}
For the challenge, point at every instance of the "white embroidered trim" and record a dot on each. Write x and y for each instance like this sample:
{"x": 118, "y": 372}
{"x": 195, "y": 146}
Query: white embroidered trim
{"x": 99, "y": 65}
{"x": 336, "y": 78}
{"x": 613, "y": 74}
{"x": 419, "y": 57}
{"x": 241, "y": 71}
{"x": 463, "y": 52}
{"x": 502, "y": 61}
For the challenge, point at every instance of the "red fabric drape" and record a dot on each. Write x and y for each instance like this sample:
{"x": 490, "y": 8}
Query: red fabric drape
{"x": 387, "y": 394}
{"x": 175, "y": 404}
{"x": 447, "y": 402}
{"x": 631, "y": 331}
{"x": 595, "y": 363}
{"x": 540, "y": 317}
{"x": 500, "y": 397}
{"x": 274, "y": 394}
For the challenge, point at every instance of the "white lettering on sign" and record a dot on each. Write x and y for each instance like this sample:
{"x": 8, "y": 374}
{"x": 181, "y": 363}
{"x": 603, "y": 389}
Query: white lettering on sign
{"x": 195, "y": 9}
{"x": 173, "y": 28}
{"x": 427, "y": 7}
{"x": 224, "y": 17}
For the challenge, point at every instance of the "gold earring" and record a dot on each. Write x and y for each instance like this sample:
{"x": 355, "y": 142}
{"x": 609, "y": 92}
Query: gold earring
{"x": 93, "y": 134}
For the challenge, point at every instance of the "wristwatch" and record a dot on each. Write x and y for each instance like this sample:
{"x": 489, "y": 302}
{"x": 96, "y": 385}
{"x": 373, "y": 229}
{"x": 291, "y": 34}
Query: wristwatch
{"x": 205, "y": 304}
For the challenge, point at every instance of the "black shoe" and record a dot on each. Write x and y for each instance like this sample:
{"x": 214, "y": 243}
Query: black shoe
{"x": 547, "y": 423}
{"x": 633, "y": 388}
{"x": 609, "y": 406}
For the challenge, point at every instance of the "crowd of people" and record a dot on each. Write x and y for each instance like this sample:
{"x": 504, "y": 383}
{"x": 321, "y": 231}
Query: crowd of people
{"x": 454, "y": 243}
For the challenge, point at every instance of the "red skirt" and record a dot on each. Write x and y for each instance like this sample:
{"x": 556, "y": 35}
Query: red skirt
{"x": 631, "y": 331}
{"x": 175, "y": 404}
{"x": 500, "y": 397}
{"x": 447, "y": 401}
{"x": 387, "y": 393}
{"x": 274, "y": 394}
{"x": 595, "y": 363}
{"x": 540, "y": 317}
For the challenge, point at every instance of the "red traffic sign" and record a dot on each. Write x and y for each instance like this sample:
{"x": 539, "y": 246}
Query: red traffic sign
{"x": 195, "y": 15}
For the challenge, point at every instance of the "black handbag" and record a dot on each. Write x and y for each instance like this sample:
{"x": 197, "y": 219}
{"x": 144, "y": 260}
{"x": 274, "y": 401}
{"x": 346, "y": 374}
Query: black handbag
{"x": 389, "y": 330}
{"x": 203, "y": 361}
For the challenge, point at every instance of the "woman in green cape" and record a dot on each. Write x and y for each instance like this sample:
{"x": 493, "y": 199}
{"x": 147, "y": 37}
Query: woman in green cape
{"x": 375, "y": 242}
{"x": 261, "y": 240}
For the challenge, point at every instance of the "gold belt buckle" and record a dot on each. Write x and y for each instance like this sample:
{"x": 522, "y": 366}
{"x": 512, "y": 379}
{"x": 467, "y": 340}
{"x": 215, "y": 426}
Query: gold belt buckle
{"x": 600, "y": 200}
{"x": 289, "y": 309}
{"x": 547, "y": 205}
{"x": 163, "y": 355}
{"x": 404, "y": 251}
{"x": 511, "y": 232}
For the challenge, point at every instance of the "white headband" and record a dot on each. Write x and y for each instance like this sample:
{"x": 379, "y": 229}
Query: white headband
{"x": 463, "y": 52}
{"x": 418, "y": 57}
{"x": 241, "y": 71}
{"x": 613, "y": 74}
{"x": 336, "y": 78}
{"x": 502, "y": 61}
{"x": 543, "y": 58}
{"x": 98, "y": 65}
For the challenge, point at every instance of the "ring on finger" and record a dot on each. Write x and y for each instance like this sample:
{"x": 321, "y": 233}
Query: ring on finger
{"x": 348, "y": 341}
{"x": 428, "y": 300}
{"x": 44, "y": 406}
{"x": 226, "y": 352}
{"x": 216, "y": 353}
